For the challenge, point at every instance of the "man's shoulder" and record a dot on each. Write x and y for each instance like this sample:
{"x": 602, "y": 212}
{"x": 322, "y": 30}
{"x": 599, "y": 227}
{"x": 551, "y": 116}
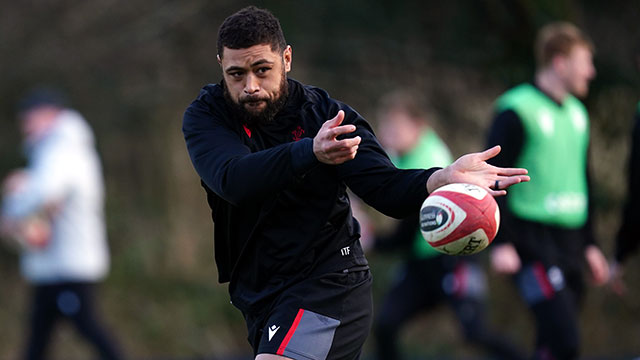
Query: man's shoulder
{"x": 523, "y": 97}
{"x": 70, "y": 130}
{"x": 211, "y": 93}
{"x": 518, "y": 92}
{"x": 210, "y": 101}
{"x": 314, "y": 102}
{"x": 310, "y": 93}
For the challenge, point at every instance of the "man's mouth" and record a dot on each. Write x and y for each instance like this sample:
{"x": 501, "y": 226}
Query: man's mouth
{"x": 255, "y": 105}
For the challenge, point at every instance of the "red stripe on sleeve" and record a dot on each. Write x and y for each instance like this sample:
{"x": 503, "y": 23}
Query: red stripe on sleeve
{"x": 292, "y": 330}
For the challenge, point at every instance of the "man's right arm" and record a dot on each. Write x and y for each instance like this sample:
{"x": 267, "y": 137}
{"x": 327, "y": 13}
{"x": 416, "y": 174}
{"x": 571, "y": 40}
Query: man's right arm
{"x": 228, "y": 167}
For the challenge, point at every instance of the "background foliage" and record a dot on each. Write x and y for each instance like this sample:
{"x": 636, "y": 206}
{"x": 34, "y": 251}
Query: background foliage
{"x": 131, "y": 67}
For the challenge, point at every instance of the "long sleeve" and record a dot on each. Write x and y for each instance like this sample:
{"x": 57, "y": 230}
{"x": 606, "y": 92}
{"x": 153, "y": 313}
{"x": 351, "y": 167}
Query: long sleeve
{"x": 227, "y": 165}
{"x": 506, "y": 131}
{"x": 47, "y": 181}
{"x": 373, "y": 177}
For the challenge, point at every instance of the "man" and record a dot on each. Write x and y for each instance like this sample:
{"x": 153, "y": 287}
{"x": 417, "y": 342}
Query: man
{"x": 276, "y": 172}
{"x": 546, "y": 225}
{"x": 54, "y": 209}
{"x": 428, "y": 278}
{"x": 628, "y": 239}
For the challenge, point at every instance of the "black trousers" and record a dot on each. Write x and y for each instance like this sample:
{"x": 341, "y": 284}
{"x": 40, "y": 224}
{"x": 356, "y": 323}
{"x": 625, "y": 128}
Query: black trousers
{"x": 73, "y": 301}
{"x": 426, "y": 283}
{"x": 552, "y": 284}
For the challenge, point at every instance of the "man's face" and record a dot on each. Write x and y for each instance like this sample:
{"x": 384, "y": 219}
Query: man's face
{"x": 577, "y": 70}
{"x": 255, "y": 79}
{"x": 399, "y": 133}
{"x": 35, "y": 122}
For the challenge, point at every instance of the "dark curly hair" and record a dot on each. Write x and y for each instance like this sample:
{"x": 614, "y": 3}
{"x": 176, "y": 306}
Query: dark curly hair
{"x": 248, "y": 27}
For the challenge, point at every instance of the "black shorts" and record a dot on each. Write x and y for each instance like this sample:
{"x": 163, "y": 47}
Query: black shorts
{"x": 552, "y": 261}
{"x": 324, "y": 317}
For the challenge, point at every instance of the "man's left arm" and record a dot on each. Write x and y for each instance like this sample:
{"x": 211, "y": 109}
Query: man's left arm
{"x": 596, "y": 260}
{"x": 372, "y": 176}
{"x": 42, "y": 185}
{"x": 399, "y": 193}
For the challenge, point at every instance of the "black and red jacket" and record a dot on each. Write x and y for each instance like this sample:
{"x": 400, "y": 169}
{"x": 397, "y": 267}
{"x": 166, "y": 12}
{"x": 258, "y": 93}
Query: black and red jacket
{"x": 280, "y": 215}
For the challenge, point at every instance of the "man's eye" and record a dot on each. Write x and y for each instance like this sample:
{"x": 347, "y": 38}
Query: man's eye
{"x": 236, "y": 74}
{"x": 263, "y": 70}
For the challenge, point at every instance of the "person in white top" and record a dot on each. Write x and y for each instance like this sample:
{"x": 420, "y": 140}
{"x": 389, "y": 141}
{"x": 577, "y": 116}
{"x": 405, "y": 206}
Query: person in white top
{"x": 54, "y": 210}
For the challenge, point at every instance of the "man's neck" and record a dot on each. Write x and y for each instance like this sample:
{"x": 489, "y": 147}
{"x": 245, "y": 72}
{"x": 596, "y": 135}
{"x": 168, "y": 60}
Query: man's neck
{"x": 549, "y": 82}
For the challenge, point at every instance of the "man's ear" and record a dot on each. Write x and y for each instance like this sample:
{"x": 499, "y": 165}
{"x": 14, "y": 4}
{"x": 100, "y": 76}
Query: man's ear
{"x": 559, "y": 63}
{"x": 287, "y": 58}
{"x": 219, "y": 59}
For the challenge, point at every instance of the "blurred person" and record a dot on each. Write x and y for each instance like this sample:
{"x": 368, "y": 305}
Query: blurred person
{"x": 628, "y": 237}
{"x": 546, "y": 230}
{"x": 427, "y": 278}
{"x": 275, "y": 158}
{"x": 54, "y": 210}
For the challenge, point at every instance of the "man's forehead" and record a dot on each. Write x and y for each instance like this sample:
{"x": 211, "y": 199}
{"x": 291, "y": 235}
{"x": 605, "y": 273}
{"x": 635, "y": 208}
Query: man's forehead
{"x": 250, "y": 53}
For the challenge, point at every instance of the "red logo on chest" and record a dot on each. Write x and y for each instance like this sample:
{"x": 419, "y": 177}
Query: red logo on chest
{"x": 247, "y": 130}
{"x": 297, "y": 133}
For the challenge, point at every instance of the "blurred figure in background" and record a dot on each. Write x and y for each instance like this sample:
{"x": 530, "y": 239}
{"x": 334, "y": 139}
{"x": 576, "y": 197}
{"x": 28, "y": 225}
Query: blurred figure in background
{"x": 628, "y": 239}
{"x": 54, "y": 210}
{"x": 427, "y": 278}
{"x": 546, "y": 232}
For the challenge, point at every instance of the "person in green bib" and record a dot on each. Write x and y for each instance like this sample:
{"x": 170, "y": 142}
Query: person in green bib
{"x": 427, "y": 278}
{"x": 546, "y": 234}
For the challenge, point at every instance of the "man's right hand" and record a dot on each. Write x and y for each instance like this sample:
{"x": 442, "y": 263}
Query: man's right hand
{"x": 328, "y": 149}
{"x": 14, "y": 181}
{"x": 505, "y": 259}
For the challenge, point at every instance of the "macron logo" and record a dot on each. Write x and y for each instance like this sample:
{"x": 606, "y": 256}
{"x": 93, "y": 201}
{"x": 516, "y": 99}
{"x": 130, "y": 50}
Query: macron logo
{"x": 272, "y": 331}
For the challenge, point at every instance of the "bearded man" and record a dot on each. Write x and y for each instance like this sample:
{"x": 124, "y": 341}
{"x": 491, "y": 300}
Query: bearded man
{"x": 276, "y": 173}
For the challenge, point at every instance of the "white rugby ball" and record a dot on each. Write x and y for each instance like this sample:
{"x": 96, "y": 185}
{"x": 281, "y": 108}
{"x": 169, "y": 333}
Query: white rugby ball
{"x": 459, "y": 219}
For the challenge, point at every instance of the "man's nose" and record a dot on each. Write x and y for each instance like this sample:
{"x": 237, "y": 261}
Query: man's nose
{"x": 252, "y": 84}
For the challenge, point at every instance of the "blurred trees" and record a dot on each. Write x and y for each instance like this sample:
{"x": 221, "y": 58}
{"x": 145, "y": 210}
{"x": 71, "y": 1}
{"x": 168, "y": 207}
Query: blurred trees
{"x": 131, "y": 67}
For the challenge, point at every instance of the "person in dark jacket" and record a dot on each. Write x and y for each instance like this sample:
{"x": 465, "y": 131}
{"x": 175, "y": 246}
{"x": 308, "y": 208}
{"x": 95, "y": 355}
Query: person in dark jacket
{"x": 628, "y": 237}
{"x": 275, "y": 158}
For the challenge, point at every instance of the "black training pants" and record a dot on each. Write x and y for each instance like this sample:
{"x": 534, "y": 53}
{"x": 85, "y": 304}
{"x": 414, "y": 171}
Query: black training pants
{"x": 72, "y": 301}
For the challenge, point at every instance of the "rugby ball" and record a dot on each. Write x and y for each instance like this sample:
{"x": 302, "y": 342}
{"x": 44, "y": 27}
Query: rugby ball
{"x": 459, "y": 219}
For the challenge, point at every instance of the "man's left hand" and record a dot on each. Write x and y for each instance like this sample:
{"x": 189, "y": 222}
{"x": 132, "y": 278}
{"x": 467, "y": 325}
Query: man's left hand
{"x": 474, "y": 169}
{"x": 597, "y": 264}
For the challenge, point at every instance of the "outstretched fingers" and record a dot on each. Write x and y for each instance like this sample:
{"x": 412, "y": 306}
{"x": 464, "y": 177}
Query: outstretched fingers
{"x": 489, "y": 153}
{"x": 511, "y": 171}
{"x": 499, "y": 184}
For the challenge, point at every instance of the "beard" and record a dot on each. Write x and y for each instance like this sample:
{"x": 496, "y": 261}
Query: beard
{"x": 261, "y": 117}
